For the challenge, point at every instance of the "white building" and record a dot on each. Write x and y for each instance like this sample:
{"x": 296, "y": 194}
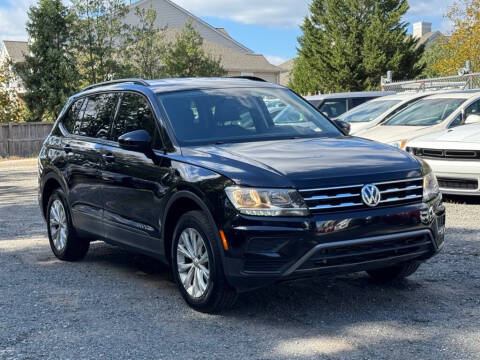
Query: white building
{"x": 237, "y": 59}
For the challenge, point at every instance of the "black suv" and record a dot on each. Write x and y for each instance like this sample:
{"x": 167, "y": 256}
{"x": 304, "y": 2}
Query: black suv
{"x": 200, "y": 174}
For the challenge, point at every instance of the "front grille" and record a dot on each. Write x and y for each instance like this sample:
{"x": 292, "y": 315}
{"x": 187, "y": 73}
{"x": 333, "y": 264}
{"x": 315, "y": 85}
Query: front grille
{"x": 446, "y": 154}
{"x": 459, "y": 184}
{"x": 362, "y": 253}
{"x": 341, "y": 198}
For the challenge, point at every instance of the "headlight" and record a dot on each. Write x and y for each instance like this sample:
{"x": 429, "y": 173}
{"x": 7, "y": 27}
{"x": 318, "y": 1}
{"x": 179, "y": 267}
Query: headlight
{"x": 267, "y": 202}
{"x": 399, "y": 144}
{"x": 430, "y": 187}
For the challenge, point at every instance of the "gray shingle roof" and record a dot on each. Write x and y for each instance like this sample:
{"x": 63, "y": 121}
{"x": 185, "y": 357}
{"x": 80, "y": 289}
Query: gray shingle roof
{"x": 16, "y": 50}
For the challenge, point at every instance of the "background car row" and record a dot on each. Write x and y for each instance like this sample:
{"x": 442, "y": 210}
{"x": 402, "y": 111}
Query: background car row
{"x": 443, "y": 128}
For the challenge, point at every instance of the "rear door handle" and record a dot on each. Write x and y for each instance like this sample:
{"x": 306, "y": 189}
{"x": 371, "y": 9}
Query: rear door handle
{"x": 108, "y": 157}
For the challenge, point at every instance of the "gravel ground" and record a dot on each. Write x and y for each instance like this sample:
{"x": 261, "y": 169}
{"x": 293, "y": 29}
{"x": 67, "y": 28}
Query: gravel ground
{"x": 116, "y": 305}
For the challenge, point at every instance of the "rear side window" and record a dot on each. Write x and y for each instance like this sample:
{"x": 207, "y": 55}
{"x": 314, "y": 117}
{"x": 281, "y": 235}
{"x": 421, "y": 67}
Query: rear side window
{"x": 135, "y": 114}
{"x": 72, "y": 115}
{"x": 334, "y": 107}
{"x": 97, "y": 115}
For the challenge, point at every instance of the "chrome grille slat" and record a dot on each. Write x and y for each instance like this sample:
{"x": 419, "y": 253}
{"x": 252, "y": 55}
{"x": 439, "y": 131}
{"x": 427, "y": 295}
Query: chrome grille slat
{"x": 326, "y": 197}
{"x": 347, "y": 197}
{"x": 344, "y": 205}
{"x": 408, "y": 188}
{"x": 409, "y": 197}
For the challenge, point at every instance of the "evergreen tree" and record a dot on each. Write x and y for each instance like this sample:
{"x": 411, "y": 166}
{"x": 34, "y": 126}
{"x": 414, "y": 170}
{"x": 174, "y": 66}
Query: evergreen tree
{"x": 145, "y": 47}
{"x": 99, "y": 34}
{"x": 347, "y": 45}
{"x": 185, "y": 57}
{"x": 49, "y": 73}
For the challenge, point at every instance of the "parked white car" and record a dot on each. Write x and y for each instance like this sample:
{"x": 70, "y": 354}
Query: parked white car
{"x": 378, "y": 110}
{"x": 428, "y": 115}
{"x": 454, "y": 156}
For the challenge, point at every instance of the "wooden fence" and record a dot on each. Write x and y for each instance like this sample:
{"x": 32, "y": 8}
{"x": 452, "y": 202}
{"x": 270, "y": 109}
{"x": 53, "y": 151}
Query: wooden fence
{"x": 23, "y": 139}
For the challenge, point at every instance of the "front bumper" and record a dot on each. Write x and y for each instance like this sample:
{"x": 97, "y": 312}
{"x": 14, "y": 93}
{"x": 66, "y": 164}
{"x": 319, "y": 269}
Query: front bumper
{"x": 457, "y": 177}
{"x": 263, "y": 251}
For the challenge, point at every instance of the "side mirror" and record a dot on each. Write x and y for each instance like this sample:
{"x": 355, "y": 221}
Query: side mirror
{"x": 343, "y": 125}
{"x": 472, "y": 118}
{"x": 138, "y": 141}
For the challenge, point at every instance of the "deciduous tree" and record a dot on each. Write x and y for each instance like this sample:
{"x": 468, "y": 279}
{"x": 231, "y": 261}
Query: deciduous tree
{"x": 11, "y": 108}
{"x": 185, "y": 57}
{"x": 99, "y": 34}
{"x": 464, "y": 42}
{"x": 145, "y": 46}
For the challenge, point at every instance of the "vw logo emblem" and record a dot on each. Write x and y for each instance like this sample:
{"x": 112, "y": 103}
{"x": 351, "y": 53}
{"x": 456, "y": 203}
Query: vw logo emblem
{"x": 371, "y": 196}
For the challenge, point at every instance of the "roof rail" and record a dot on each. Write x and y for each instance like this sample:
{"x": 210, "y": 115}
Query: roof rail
{"x": 119, "y": 81}
{"x": 253, "y": 78}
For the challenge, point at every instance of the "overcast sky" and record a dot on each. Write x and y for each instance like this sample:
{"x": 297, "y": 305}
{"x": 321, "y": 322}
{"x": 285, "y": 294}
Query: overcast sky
{"x": 269, "y": 27}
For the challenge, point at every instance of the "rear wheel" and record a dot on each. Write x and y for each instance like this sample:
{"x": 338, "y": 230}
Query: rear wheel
{"x": 64, "y": 242}
{"x": 197, "y": 264}
{"x": 394, "y": 273}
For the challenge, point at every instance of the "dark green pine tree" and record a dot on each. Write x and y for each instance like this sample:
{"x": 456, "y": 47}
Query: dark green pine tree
{"x": 347, "y": 45}
{"x": 49, "y": 72}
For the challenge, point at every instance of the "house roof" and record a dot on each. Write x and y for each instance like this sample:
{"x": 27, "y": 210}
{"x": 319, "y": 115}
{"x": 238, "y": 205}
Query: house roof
{"x": 220, "y": 31}
{"x": 16, "y": 50}
{"x": 287, "y": 65}
{"x": 232, "y": 60}
{"x": 428, "y": 37}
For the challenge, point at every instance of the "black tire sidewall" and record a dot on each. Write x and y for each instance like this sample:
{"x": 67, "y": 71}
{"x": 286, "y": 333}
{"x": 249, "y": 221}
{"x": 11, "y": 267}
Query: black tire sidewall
{"x": 193, "y": 220}
{"x": 59, "y": 195}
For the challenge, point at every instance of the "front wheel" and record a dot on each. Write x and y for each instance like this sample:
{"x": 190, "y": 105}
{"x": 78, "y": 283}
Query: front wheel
{"x": 197, "y": 264}
{"x": 394, "y": 273}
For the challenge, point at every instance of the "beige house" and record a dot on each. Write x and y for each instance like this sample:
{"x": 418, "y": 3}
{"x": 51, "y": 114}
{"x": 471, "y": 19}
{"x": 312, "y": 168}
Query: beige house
{"x": 236, "y": 58}
{"x": 14, "y": 52}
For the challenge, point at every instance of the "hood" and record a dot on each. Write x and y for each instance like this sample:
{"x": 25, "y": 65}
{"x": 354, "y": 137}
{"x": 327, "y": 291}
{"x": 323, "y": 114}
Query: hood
{"x": 304, "y": 163}
{"x": 388, "y": 134}
{"x": 462, "y": 137}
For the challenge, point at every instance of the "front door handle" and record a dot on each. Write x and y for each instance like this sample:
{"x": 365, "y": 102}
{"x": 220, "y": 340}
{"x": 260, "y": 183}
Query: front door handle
{"x": 108, "y": 157}
{"x": 67, "y": 149}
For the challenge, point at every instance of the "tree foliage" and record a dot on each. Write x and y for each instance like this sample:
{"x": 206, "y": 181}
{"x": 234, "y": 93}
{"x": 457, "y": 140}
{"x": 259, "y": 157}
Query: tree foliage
{"x": 347, "y": 45}
{"x": 185, "y": 57}
{"x": 48, "y": 73}
{"x": 11, "y": 108}
{"x": 145, "y": 46}
{"x": 100, "y": 35}
{"x": 464, "y": 42}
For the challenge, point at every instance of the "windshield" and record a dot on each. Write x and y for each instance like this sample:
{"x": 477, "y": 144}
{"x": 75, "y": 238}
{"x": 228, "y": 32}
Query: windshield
{"x": 426, "y": 112}
{"x": 242, "y": 115}
{"x": 368, "y": 111}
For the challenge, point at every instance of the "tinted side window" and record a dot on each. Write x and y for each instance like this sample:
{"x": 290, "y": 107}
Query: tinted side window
{"x": 97, "y": 116}
{"x": 354, "y": 102}
{"x": 473, "y": 109}
{"x": 72, "y": 115}
{"x": 334, "y": 107}
{"x": 135, "y": 114}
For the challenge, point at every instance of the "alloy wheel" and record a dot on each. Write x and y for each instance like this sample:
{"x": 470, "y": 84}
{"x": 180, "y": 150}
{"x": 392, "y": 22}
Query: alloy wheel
{"x": 193, "y": 262}
{"x": 58, "y": 225}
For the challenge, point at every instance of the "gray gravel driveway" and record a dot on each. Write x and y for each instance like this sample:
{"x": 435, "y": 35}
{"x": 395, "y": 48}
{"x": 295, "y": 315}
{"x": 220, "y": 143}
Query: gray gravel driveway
{"x": 117, "y": 305}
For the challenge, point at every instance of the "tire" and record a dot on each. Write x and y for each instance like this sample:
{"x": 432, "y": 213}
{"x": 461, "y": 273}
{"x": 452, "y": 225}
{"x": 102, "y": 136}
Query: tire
{"x": 64, "y": 242}
{"x": 210, "y": 294}
{"x": 394, "y": 273}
